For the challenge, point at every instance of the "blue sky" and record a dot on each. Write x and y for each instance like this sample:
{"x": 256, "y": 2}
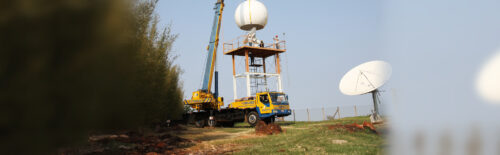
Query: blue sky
{"x": 324, "y": 40}
{"x": 435, "y": 47}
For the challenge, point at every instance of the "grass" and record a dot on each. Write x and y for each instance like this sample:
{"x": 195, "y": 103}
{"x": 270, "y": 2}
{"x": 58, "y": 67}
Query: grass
{"x": 309, "y": 138}
{"x": 297, "y": 138}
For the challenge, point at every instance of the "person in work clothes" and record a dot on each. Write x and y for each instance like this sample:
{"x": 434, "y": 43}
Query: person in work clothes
{"x": 276, "y": 42}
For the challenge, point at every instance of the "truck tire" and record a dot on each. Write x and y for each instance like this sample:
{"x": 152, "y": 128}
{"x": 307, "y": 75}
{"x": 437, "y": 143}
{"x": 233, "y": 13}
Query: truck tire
{"x": 212, "y": 123}
{"x": 200, "y": 123}
{"x": 253, "y": 118}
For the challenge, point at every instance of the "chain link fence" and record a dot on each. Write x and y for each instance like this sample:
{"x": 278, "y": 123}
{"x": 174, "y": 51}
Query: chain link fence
{"x": 329, "y": 113}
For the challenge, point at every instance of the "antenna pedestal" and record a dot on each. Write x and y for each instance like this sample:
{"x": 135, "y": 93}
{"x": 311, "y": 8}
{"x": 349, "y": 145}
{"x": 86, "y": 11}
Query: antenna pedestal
{"x": 375, "y": 117}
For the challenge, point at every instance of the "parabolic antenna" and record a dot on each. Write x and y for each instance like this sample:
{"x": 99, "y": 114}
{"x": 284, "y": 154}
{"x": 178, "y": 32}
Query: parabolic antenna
{"x": 367, "y": 78}
{"x": 488, "y": 80}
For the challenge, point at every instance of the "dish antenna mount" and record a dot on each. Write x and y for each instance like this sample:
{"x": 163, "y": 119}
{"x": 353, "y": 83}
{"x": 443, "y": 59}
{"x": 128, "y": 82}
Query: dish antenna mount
{"x": 367, "y": 78}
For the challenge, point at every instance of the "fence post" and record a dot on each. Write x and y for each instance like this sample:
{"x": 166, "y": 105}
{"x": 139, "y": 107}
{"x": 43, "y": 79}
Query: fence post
{"x": 335, "y": 114}
{"x": 355, "y": 111}
{"x": 308, "y": 117}
{"x": 323, "y": 111}
{"x": 293, "y": 111}
{"x": 338, "y": 111}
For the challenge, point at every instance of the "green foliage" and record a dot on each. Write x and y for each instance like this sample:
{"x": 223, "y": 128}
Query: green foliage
{"x": 160, "y": 87}
{"x": 74, "y": 66}
{"x": 313, "y": 138}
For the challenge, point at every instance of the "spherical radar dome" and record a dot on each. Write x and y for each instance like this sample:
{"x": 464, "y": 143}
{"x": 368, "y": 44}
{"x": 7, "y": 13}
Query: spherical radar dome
{"x": 488, "y": 80}
{"x": 250, "y": 14}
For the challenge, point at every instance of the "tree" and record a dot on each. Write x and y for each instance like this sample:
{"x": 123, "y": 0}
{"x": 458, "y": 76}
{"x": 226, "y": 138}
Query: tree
{"x": 162, "y": 74}
{"x": 71, "y": 67}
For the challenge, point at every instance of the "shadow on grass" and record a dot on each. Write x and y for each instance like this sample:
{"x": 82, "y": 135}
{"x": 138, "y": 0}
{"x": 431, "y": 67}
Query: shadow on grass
{"x": 211, "y": 137}
{"x": 285, "y": 123}
{"x": 246, "y": 126}
{"x": 241, "y": 127}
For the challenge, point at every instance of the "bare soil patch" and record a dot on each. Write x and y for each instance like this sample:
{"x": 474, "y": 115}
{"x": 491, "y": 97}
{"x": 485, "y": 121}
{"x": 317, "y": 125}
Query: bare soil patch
{"x": 354, "y": 127}
{"x": 267, "y": 129}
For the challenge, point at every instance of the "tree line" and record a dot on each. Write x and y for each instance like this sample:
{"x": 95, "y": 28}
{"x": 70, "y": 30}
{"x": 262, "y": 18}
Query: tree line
{"x": 71, "y": 67}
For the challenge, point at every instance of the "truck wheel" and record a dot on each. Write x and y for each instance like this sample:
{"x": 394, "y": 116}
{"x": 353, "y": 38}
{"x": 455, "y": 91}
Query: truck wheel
{"x": 253, "y": 118}
{"x": 212, "y": 123}
{"x": 199, "y": 123}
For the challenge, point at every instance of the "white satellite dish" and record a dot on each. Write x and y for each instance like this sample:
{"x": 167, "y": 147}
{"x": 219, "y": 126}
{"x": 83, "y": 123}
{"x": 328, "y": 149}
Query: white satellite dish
{"x": 367, "y": 78}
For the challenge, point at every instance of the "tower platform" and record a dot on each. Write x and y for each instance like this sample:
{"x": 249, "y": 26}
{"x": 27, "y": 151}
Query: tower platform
{"x": 262, "y": 52}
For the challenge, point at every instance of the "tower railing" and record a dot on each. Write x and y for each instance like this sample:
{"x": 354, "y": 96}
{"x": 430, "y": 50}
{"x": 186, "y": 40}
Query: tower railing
{"x": 240, "y": 42}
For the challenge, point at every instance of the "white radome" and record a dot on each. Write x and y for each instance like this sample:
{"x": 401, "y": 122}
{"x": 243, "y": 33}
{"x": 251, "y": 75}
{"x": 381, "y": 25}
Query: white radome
{"x": 250, "y": 14}
{"x": 488, "y": 80}
{"x": 365, "y": 78}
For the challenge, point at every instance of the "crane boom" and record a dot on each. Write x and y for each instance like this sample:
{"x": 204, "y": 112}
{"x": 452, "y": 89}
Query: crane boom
{"x": 204, "y": 99}
{"x": 212, "y": 47}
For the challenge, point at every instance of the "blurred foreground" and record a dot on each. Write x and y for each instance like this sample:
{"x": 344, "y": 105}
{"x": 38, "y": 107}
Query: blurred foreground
{"x": 71, "y": 67}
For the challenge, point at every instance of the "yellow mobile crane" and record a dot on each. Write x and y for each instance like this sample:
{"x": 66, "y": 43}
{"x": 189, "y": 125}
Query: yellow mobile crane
{"x": 203, "y": 99}
{"x": 207, "y": 105}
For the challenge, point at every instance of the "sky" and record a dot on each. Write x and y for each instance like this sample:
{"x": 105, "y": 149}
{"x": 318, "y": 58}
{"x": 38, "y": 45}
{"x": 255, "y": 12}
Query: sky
{"x": 324, "y": 40}
{"x": 435, "y": 47}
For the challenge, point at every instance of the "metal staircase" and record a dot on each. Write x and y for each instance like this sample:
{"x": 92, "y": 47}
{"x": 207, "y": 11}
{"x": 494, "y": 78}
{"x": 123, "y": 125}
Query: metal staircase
{"x": 258, "y": 83}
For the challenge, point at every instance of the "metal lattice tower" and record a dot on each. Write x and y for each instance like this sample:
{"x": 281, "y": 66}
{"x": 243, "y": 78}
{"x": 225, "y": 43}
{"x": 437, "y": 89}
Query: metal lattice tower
{"x": 256, "y": 73}
{"x": 258, "y": 83}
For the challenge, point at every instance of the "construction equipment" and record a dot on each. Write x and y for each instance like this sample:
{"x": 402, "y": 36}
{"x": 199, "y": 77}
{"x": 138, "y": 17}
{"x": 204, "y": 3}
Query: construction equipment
{"x": 204, "y": 100}
{"x": 208, "y": 106}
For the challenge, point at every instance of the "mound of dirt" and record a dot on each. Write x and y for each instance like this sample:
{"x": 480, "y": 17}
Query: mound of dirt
{"x": 267, "y": 129}
{"x": 354, "y": 127}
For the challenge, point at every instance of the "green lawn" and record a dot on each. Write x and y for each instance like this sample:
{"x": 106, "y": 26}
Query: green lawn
{"x": 310, "y": 138}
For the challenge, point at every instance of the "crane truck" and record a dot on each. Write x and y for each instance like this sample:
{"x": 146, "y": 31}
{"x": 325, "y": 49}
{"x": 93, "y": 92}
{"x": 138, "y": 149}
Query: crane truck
{"x": 208, "y": 106}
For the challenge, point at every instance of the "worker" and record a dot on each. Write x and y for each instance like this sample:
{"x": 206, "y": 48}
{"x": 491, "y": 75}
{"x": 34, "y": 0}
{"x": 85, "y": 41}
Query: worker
{"x": 261, "y": 43}
{"x": 281, "y": 98}
{"x": 276, "y": 42}
{"x": 264, "y": 99}
{"x": 251, "y": 37}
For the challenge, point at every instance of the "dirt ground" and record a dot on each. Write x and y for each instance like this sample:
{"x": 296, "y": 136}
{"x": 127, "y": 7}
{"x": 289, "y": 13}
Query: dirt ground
{"x": 354, "y": 127}
{"x": 174, "y": 140}
{"x": 206, "y": 140}
{"x": 345, "y": 136}
{"x": 267, "y": 129}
